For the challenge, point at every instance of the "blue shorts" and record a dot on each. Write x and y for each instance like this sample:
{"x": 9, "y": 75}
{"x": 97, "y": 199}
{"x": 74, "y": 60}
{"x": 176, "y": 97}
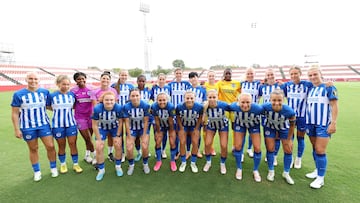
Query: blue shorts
{"x": 64, "y": 132}
{"x": 271, "y": 133}
{"x": 191, "y": 128}
{"x": 104, "y": 133}
{"x": 317, "y": 131}
{"x": 139, "y": 133}
{"x": 30, "y": 134}
{"x": 301, "y": 124}
{"x": 224, "y": 129}
{"x": 251, "y": 130}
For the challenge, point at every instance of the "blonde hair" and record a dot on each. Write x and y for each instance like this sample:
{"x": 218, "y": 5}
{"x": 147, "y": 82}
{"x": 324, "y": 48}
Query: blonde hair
{"x": 295, "y": 68}
{"x": 101, "y": 99}
{"x": 60, "y": 78}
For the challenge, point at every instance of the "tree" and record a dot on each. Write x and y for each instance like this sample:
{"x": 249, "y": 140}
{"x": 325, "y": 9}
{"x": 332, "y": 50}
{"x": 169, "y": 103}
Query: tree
{"x": 160, "y": 70}
{"x": 178, "y": 63}
{"x": 135, "y": 72}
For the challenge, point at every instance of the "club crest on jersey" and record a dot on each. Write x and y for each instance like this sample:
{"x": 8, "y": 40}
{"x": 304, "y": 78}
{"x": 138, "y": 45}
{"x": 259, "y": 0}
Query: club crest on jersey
{"x": 233, "y": 85}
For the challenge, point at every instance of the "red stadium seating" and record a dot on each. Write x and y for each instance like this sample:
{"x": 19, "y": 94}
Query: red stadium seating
{"x": 12, "y": 73}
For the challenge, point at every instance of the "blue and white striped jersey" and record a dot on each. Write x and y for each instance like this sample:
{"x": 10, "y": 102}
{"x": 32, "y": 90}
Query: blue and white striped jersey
{"x": 62, "y": 106}
{"x": 189, "y": 117}
{"x": 145, "y": 94}
{"x": 200, "y": 93}
{"x": 107, "y": 119}
{"x": 249, "y": 119}
{"x": 251, "y": 88}
{"x": 32, "y": 107}
{"x": 163, "y": 114}
{"x": 178, "y": 90}
{"x": 265, "y": 91}
{"x": 124, "y": 92}
{"x": 136, "y": 115}
{"x": 277, "y": 120}
{"x": 156, "y": 89}
{"x": 216, "y": 116}
{"x": 296, "y": 95}
{"x": 318, "y": 110}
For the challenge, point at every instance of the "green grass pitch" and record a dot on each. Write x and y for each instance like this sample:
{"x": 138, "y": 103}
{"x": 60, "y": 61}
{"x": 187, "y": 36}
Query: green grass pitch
{"x": 341, "y": 182}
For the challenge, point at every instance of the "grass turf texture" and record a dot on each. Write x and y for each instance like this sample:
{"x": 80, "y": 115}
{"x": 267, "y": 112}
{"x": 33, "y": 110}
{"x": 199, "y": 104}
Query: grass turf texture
{"x": 341, "y": 182}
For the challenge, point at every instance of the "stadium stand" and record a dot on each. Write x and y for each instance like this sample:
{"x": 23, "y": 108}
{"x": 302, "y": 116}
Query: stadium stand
{"x": 13, "y": 76}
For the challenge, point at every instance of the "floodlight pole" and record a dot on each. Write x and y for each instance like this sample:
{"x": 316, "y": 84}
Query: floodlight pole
{"x": 145, "y": 8}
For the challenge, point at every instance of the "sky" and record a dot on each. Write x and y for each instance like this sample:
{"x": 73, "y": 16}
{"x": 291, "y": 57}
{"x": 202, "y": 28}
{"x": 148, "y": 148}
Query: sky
{"x": 110, "y": 33}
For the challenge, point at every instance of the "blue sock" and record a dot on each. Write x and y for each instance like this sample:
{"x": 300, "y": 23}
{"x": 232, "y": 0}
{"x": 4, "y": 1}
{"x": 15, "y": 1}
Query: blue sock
{"x": 321, "y": 162}
{"x": 52, "y": 164}
{"x": 164, "y": 141}
{"x": 101, "y": 166}
{"x": 208, "y": 157}
{"x": 222, "y": 160}
{"x": 62, "y": 158}
{"x": 183, "y": 158}
{"x": 172, "y": 154}
{"x": 257, "y": 160}
{"x": 287, "y": 162}
{"x": 36, "y": 167}
{"x": 193, "y": 158}
{"x": 177, "y": 144}
{"x": 301, "y": 146}
{"x": 75, "y": 158}
{"x": 188, "y": 143}
{"x": 131, "y": 161}
{"x": 237, "y": 155}
{"x": 250, "y": 143}
{"x": 158, "y": 154}
{"x": 277, "y": 147}
{"x": 270, "y": 160}
{"x": 118, "y": 162}
{"x": 145, "y": 160}
{"x": 314, "y": 157}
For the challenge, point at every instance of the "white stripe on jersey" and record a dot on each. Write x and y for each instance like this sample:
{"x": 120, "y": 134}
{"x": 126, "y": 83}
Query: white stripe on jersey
{"x": 189, "y": 117}
{"x": 136, "y": 119}
{"x": 266, "y": 91}
{"x": 164, "y": 118}
{"x": 177, "y": 92}
{"x": 246, "y": 119}
{"x": 124, "y": 93}
{"x": 217, "y": 118}
{"x": 108, "y": 120}
{"x": 62, "y": 105}
{"x": 33, "y": 110}
{"x": 296, "y": 97}
{"x": 251, "y": 88}
{"x": 276, "y": 121}
{"x": 318, "y": 107}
